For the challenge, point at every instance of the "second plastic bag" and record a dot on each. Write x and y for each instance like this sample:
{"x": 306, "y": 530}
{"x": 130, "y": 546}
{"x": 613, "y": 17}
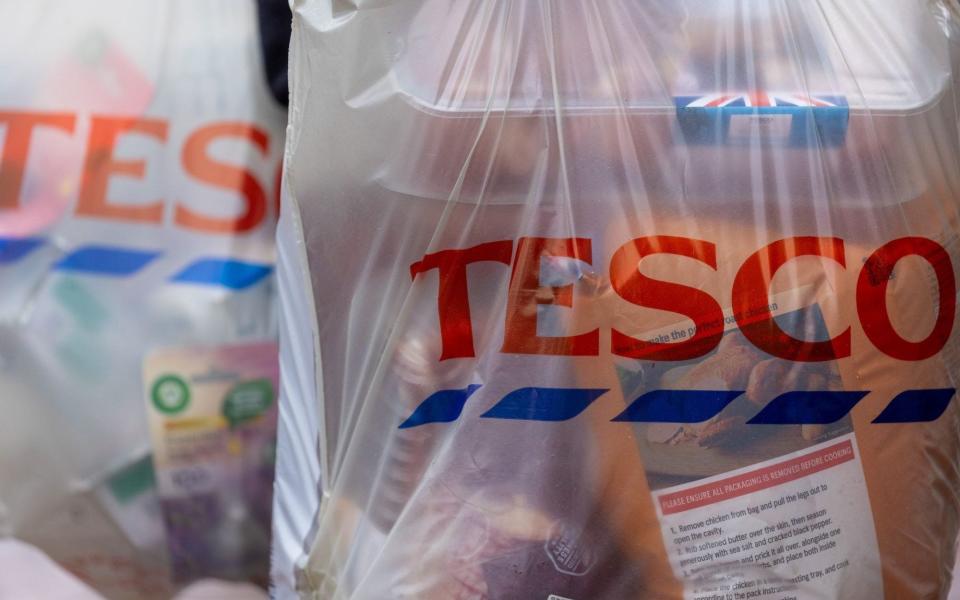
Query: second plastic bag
{"x": 139, "y": 150}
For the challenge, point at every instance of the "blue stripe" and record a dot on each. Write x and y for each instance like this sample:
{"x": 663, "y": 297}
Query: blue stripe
{"x": 808, "y": 408}
{"x": 231, "y": 274}
{"x": 14, "y": 249}
{"x": 444, "y": 406}
{"x": 543, "y": 404}
{"x": 916, "y": 406}
{"x": 106, "y": 260}
{"x": 677, "y": 406}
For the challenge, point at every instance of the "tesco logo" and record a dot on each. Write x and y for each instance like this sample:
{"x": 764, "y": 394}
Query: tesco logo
{"x": 752, "y": 314}
{"x": 749, "y": 298}
{"x": 100, "y": 165}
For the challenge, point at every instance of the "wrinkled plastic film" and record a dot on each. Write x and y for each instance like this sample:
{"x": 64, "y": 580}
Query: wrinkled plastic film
{"x": 140, "y": 151}
{"x": 587, "y": 278}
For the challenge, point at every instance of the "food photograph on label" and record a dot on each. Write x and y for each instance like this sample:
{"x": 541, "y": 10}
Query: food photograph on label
{"x": 479, "y": 300}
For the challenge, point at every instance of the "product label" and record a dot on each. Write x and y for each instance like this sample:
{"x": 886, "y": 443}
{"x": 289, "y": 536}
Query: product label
{"x": 747, "y": 127}
{"x": 129, "y": 496}
{"x": 213, "y": 423}
{"x": 792, "y": 527}
{"x": 753, "y": 507}
{"x": 746, "y": 118}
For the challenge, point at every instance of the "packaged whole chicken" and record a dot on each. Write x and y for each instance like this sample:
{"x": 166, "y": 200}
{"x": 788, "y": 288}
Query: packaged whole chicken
{"x": 607, "y": 300}
{"x": 139, "y": 158}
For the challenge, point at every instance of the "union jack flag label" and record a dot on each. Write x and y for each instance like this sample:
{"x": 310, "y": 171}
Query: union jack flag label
{"x": 791, "y": 118}
{"x": 761, "y": 100}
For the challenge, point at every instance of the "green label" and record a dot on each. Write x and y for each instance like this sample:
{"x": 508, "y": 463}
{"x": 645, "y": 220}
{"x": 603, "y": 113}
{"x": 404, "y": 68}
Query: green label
{"x": 247, "y": 401}
{"x": 170, "y": 394}
{"x": 133, "y": 480}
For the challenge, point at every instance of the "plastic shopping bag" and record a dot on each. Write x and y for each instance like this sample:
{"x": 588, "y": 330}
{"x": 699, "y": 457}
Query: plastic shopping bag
{"x": 606, "y": 300}
{"x": 140, "y": 153}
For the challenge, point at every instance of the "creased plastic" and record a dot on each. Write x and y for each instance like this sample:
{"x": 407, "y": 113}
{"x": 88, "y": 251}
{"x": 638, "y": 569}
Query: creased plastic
{"x": 621, "y": 300}
{"x": 140, "y": 154}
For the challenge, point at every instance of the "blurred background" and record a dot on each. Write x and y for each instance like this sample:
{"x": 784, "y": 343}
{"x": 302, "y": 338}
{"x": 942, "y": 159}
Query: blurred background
{"x": 140, "y": 159}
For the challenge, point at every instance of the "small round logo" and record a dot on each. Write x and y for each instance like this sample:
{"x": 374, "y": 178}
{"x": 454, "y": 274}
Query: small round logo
{"x": 170, "y": 394}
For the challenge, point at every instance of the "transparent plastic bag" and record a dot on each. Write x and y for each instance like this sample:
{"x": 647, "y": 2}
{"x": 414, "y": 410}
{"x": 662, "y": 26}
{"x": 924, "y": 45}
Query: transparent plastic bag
{"x": 620, "y": 300}
{"x": 140, "y": 153}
